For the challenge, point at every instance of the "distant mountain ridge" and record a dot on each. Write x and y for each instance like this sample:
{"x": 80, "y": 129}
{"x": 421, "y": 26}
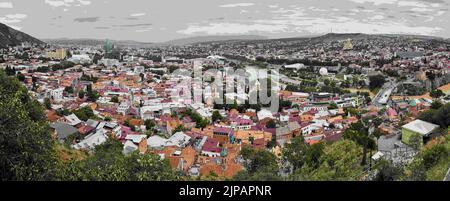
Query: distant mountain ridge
{"x": 177, "y": 42}
{"x": 96, "y": 42}
{"x": 201, "y": 39}
{"x": 210, "y": 39}
{"x": 344, "y": 36}
{"x": 10, "y": 36}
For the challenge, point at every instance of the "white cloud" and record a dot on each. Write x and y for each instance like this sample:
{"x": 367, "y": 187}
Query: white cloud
{"x": 67, "y": 3}
{"x": 375, "y": 2}
{"x": 16, "y": 16}
{"x": 13, "y": 19}
{"x": 236, "y": 5}
{"x": 439, "y": 13}
{"x": 340, "y": 24}
{"x": 84, "y": 3}
{"x": 377, "y": 17}
{"x": 400, "y": 3}
{"x": 8, "y": 21}
{"x": 56, "y": 3}
{"x": 232, "y": 28}
{"x": 137, "y": 14}
{"x": 312, "y": 8}
{"x": 143, "y": 30}
{"x": 6, "y": 5}
{"x": 421, "y": 9}
{"x": 368, "y": 11}
{"x": 412, "y": 4}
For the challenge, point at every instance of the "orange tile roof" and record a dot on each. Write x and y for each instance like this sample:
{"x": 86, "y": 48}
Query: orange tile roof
{"x": 188, "y": 155}
{"x": 232, "y": 169}
{"x": 174, "y": 161}
{"x": 250, "y": 114}
{"x": 234, "y": 112}
{"x": 135, "y": 122}
{"x": 168, "y": 151}
{"x": 51, "y": 115}
{"x": 93, "y": 106}
{"x": 245, "y": 135}
{"x": 209, "y": 168}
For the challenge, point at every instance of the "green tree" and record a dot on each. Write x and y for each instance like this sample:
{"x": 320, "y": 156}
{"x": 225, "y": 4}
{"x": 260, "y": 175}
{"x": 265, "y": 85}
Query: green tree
{"x": 115, "y": 99}
{"x": 149, "y": 124}
{"x": 20, "y": 77}
{"x": 81, "y": 94}
{"x": 332, "y": 106}
{"x": 360, "y": 134}
{"x": 261, "y": 165}
{"x": 387, "y": 171}
{"x": 338, "y": 162}
{"x": 271, "y": 124}
{"x": 27, "y": 148}
{"x": 436, "y": 93}
{"x": 179, "y": 128}
{"x": 415, "y": 171}
{"x": 442, "y": 116}
{"x": 92, "y": 95}
{"x": 69, "y": 89}
{"x": 428, "y": 115}
{"x": 436, "y": 104}
{"x": 376, "y": 81}
{"x": 109, "y": 164}
{"x": 433, "y": 155}
{"x": 216, "y": 116}
{"x": 47, "y": 103}
{"x": 85, "y": 113}
{"x": 295, "y": 152}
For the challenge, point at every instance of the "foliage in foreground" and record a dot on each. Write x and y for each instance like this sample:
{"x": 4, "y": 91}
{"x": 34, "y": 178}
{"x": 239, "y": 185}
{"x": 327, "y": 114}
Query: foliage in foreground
{"x": 29, "y": 153}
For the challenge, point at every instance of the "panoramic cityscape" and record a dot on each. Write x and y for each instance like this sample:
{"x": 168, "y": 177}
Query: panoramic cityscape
{"x": 348, "y": 90}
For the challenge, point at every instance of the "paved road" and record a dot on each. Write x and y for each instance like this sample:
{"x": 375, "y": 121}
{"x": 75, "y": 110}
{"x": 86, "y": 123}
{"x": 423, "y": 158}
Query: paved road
{"x": 386, "y": 90}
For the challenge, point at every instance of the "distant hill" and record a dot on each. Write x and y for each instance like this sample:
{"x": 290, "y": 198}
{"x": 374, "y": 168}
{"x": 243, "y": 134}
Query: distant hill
{"x": 202, "y": 39}
{"x": 313, "y": 39}
{"x": 252, "y": 38}
{"x": 10, "y": 36}
{"x": 96, "y": 42}
{"x": 130, "y": 43}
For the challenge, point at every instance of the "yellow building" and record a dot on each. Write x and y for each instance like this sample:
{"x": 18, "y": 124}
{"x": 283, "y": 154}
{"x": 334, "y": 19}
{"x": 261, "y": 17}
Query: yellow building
{"x": 348, "y": 44}
{"x": 245, "y": 135}
{"x": 57, "y": 54}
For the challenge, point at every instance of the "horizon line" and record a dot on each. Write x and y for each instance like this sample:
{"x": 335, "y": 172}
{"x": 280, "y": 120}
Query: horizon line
{"x": 264, "y": 37}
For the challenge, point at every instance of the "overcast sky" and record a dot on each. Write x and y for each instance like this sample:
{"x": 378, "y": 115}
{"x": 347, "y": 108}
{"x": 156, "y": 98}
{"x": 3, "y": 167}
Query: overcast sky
{"x": 162, "y": 20}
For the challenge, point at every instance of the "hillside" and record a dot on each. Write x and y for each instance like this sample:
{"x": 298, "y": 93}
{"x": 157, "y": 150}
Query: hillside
{"x": 10, "y": 36}
{"x": 202, "y": 39}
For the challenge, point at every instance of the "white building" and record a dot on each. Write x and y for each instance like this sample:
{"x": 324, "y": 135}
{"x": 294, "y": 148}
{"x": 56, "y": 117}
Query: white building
{"x": 123, "y": 108}
{"x": 56, "y": 94}
{"x": 109, "y": 62}
{"x": 92, "y": 140}
{"x": 178, "y": 139}
{"x": 80, "y": 59}
{"x": 295, "y": 66}
{"x": 139, "y": 70}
